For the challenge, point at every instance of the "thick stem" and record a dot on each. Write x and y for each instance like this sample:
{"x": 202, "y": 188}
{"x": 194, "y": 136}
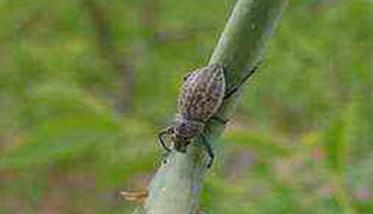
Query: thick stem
{"x": 176, "y": 186}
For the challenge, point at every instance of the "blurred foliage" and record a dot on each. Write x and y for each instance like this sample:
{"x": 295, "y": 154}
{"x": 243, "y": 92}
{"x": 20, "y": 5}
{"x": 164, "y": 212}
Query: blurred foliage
{"x": 65, "y": 147}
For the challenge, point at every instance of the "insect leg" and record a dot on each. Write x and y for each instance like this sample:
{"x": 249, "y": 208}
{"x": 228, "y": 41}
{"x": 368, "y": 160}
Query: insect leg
{"x": 237, "y": 87}
{"x": 186, "y": 76}
{"x": 160, "y": 137}
{"x": 208, "y": 150}
{"x": 219, "y": 119}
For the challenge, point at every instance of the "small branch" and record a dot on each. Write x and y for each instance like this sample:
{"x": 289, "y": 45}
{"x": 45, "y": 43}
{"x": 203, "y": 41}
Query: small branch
{"x": 139, "y": 196}
{"x": 149, "y": 18}
{"x": 176, "y": 186}
{"x": 105, "y": 41}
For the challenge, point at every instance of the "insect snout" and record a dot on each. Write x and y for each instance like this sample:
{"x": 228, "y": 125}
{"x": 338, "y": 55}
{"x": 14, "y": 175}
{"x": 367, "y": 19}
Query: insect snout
{"x": 182, "y": 146}
{"x": 181, "y": 141}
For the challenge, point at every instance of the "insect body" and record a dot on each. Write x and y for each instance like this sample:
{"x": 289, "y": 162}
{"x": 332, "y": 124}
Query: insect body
{"x": 201, "y": 95}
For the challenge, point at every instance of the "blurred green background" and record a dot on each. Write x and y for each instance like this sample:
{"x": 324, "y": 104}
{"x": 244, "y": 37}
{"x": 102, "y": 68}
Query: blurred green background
{"x": 86, "y": 84}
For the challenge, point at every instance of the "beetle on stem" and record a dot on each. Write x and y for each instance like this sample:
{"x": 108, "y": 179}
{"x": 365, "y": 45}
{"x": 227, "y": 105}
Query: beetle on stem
{"x": 202, "y": 94}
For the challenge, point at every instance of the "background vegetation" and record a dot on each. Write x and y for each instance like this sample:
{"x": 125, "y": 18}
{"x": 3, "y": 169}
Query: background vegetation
{"x": 85, "y": 86}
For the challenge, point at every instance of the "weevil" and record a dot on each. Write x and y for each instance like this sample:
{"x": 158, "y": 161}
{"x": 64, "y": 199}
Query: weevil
{"x": 201, "y": 95}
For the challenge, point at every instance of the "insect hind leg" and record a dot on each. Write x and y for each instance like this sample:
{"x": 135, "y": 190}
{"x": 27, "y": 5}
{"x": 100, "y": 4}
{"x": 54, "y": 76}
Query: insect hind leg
{"x": 237, "y": 87}
{"x": 219, "y": 119}
{"x": 208, "y": 150}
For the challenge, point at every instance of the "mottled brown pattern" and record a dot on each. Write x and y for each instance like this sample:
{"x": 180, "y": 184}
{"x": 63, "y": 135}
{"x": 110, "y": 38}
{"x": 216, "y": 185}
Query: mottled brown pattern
{"x": 202, "y": 93}
{"x": 201, "y": 96}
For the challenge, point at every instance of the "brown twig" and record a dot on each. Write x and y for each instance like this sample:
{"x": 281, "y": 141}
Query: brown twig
{"x": 138, "y": 196}
{"x": 105, "y": 41}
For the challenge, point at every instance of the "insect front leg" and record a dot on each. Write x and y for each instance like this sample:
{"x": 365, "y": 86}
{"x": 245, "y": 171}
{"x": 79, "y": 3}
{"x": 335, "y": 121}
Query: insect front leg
{"x": 208, "y": 150}
{"x": 162, "y": 133}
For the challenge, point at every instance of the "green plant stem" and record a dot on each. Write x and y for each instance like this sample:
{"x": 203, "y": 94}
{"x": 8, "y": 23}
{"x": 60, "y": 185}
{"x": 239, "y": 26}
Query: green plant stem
{"x": 176, "y": 186}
